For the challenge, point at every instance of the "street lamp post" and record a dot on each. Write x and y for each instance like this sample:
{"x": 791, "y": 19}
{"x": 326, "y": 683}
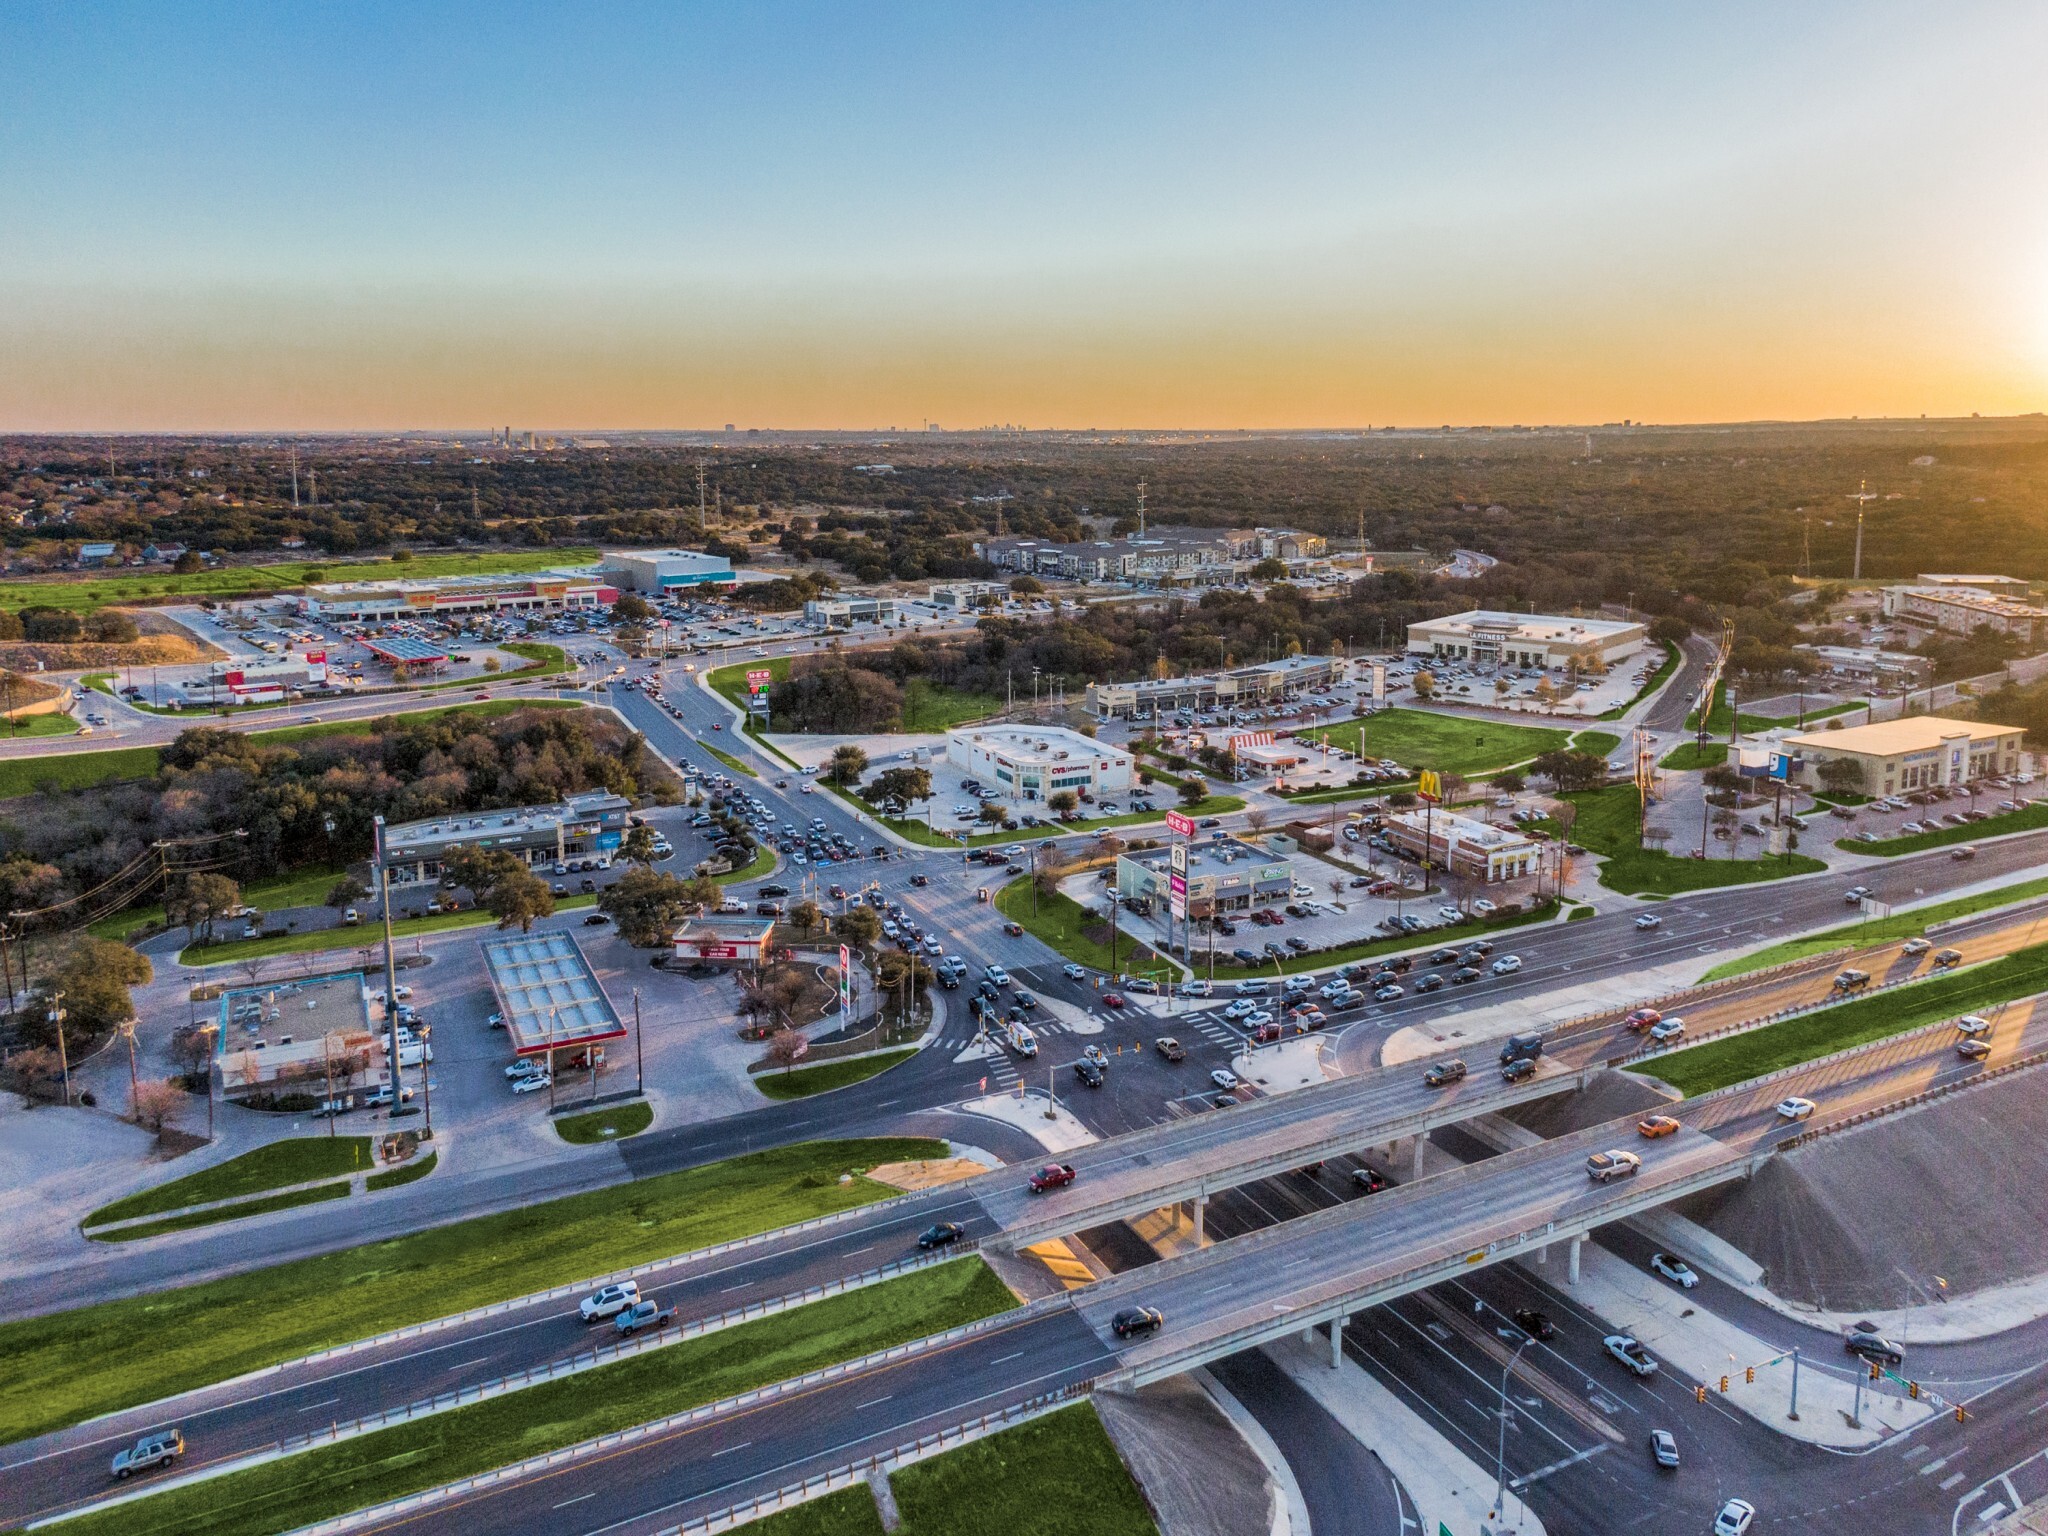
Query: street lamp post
{"x": 1500, "y": 1459}
{"x": 207, "y": 1032}
{"x": 56, "y": 1017}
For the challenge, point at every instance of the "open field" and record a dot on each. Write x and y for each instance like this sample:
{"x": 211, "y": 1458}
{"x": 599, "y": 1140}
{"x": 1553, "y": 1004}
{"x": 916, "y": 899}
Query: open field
{"x": 1447, "y": 743}
{"x": 1607, "y": 825}
{"x": 68, "y": 1366}
{"x": 331, "y": 1480}
{"x": 84, "y": 593}
{"x": 928, "y": 707}
{"x": 802, "y": 1082}
{"x": 1060, "y": 922}
{"x": 297, "y": 1161}
{"x": 1975, "y": 989}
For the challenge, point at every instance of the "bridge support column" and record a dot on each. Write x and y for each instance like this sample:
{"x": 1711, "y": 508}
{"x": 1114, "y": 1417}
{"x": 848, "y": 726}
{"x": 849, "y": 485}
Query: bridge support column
{"x": 1543, "y": 1254}
{"x": 1415, "y": 1168}
{"x": 1577, "y": 1244}
{"x": 1337, "y": 1327}
{"x": 1201, "y": 1213}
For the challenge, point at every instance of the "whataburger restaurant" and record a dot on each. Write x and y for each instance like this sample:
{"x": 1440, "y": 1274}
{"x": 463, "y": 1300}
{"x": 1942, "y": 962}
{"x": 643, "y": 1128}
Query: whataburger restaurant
{"x": 548, "y": 994}
{"x": 725, "y": 940}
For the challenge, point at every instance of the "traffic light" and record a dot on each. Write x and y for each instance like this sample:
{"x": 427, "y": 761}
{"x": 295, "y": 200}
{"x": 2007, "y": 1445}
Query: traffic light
{"x": 1876, "y": 1371}
{"x": 1960, "y": 1415}
{"x": 1913, "y": 1391}
{"x": 1749, "y": 1374}
{"x": 1700, "y": 1394}
{"x": 1724, "y": 1383}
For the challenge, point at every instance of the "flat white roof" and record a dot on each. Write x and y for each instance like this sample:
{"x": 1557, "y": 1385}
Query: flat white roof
{"x": 1040, "y": 741}
{"x": 1889, "y": 738}
{"x": 1529, "y": 626}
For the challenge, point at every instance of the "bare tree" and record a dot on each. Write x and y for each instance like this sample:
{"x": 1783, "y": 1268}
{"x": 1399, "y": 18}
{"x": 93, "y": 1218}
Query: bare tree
{"x": 1256, "y": 818}
{"x": 37, "y": 1064}
{"x": 786, "y": 1047}
{"x": 159, "y": 1103}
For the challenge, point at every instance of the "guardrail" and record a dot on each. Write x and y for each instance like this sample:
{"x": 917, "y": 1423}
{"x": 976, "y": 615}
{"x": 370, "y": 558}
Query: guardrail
{"x": 883, "y": 1461}
{"x": 429, "y": 1497}
{"x": 1797, "y": 1010}
{"x": 1688, "y": 994}
{"x": 1914, "y": 1101}
{"x": 607, "y": 1354}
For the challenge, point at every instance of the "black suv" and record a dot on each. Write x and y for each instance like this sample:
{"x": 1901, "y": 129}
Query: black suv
{"x": 774, "y": 890}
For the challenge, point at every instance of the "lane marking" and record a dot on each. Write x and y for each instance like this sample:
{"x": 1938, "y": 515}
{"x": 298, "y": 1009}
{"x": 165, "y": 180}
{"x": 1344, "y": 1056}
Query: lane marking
{"x": 329, "y": 1403}
{"x": 479, "y": 1360}
{"x": 731, "y": 1448}
{"x": 578, "y": 1499}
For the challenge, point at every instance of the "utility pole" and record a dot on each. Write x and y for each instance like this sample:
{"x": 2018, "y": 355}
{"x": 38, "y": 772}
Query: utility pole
{"x": 1500, "y": 1460}
{"x": 397, "y": 1108}
{"x": 295, "y": 477}
{"x": 63, "y": 1054}
{"x": 700, "y": 498}
{"x": 639, "y": 1062}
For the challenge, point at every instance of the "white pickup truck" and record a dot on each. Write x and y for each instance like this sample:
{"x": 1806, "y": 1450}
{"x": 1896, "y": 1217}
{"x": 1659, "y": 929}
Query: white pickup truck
{"x": 1624, "y": 1348}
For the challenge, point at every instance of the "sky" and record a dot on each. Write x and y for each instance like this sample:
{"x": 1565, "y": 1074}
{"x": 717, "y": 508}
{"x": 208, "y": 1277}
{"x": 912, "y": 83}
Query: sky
{"x": 368, "y": 216}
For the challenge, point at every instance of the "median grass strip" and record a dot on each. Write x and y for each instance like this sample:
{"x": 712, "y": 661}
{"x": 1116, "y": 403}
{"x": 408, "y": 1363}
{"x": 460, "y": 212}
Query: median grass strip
{"x": 1691, "y": 757}
{"x": 1449, "y": 743}
{"x": 1882, "y": 930}
{"x": 613, "y": 1124}
{"x": 1599, "y": 743}
{"x": 802, "y": 1082}
{"x": 1719, "y": 1063}
{"x": 331, "y": 1480}
{"x": 729, "y": 760}
{"x": 2025, "y": 819}
{"x": 68, "y": 1366}
{"x": 1607, "y": 825}
{"x": 759, "y": 865}
{"x": 314, "y": 1196}
{"x": 404, "y": 1173}
{"x": 1063, "y": 924}
{"x": 300, "y": 1160}
{"x": 1056, "y": 1476}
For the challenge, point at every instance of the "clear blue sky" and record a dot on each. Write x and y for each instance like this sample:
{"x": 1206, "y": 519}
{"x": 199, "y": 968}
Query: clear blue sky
{"x": 369, "y": 214}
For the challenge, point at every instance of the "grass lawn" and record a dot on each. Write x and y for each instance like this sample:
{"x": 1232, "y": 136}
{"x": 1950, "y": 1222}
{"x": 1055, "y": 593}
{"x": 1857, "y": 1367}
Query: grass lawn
{"x": 760, "y": 864}
{"x": 298, "y": 1161}
{"x": 1059, "y": 922}
{"x": 68, "y": 1366}
{"x": 2024, "y": 820}
{"x": 1599, "y": 743}
{"x": 1448, "y": 743}
{"x": 1719, "y": 719}
{"x": 1607, "y": 825}
{"x": 297, "y": 888}
{"x": 1655, "y": 681}
{"x": 268, "y": 1203}
{"x": 331, "y": 1480}
{"x": 1453, "y": 933}
{"x": 417, "y": 1167}
{"x": 1973, "y": 989}
{"x": 1691, "y": 757}
{"x": 75, "y": 770}
{"x": 930, "y": 707}
{"x": 115, "y": 587}
{"x": 1055, "y": 1476}
{"x": 49, "y": 723}
{"x": 1883, "y": 930}
{"x": 802, "y": 1082}
{"x": 613, "y": 1124}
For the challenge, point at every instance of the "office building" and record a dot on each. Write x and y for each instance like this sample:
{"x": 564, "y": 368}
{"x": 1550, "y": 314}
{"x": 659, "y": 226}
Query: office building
{"x": 1962, "y": 610}
{"x": 1224, "y": 875}
{"x": 1036, "y": 762}
{"x": 845, "y": 612}
{"x": 1526, "y": 639}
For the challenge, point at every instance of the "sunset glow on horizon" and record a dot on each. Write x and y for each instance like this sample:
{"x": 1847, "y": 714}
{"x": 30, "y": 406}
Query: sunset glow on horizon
{"x": 257, "y": 218}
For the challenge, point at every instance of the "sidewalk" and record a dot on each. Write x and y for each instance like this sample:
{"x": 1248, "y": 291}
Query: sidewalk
{"x": 1060, "y": 1132}
{"x": 1694, "y": 1342}
{"x": 1450, "y": 1490}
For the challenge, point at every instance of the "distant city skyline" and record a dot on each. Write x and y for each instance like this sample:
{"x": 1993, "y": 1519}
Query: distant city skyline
{"x": 650, "y": 217}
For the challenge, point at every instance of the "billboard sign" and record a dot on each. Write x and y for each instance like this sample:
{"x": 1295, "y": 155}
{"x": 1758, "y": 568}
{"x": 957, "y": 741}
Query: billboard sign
{"x": 1180, "y": 859}
{"x": 1379, "y": 685}
{"x": 758, "y": 678}
{"x": 1429, "y": 786}
{"x": 1177, "y": 895}
{"x": 1176, "y": 822}
{"x": 718, "y": 951}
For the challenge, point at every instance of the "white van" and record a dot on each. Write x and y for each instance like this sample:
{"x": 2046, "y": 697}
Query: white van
{"x": 1251, "y": 989}
{"x": 1021, "y": 1039}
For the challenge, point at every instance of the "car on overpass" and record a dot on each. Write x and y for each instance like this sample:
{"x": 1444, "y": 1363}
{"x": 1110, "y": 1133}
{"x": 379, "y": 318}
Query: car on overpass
{"x": 1795, "y": 1108}
{"x": 1650, "y": 1127}
{"x": 608, "y": 1302}
{"x": 1444, "y": 1073}
{"x": 1136, "y": 1320}
{"x": 1605, "y": 1167}
{"x": 1052, "y": 1176}
{"x": 941, "y": 1234}
{"x": 153, "y": 1450}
